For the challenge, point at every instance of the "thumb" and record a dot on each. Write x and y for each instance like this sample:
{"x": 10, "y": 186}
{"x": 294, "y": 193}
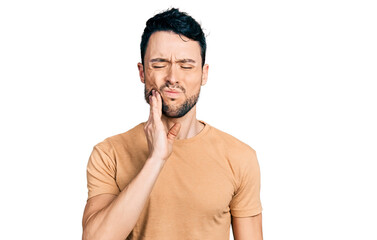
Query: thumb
{"x": 173, "y": 132}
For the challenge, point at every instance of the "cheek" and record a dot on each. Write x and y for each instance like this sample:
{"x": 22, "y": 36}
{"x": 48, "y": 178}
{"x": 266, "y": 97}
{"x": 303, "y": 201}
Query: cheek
{"x": 192, "y": 89}
{"x": 194, "y": 81}
{"x": 152, "y": 80}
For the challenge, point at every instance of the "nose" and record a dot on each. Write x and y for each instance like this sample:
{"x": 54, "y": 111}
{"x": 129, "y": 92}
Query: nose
{"x": 171, "y": 76}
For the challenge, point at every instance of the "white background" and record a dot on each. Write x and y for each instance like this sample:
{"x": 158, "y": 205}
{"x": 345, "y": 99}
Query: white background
{"x": 296, "y": 80}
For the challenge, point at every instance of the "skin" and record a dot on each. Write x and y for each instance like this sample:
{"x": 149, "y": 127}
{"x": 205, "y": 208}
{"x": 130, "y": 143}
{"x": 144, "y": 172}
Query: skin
{"x": 245, "y": 228}
{"x": 172, "y": 62}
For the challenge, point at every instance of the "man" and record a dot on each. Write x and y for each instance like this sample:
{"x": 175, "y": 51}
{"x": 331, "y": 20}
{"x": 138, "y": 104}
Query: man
{"x": 173, "y": 177}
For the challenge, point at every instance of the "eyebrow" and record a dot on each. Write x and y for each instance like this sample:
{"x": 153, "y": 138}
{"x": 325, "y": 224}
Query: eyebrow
{"x": 185, "y": 60}
{"x": 159, "y": 60}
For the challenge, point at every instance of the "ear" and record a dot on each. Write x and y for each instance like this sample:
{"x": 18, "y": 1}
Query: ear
{"x": 205, "y": 74}
{"x": 141, "y": 72}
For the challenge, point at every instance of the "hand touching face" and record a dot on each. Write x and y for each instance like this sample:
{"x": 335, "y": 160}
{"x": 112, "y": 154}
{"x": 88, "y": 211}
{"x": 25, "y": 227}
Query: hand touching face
{"x": 160, "y": 142}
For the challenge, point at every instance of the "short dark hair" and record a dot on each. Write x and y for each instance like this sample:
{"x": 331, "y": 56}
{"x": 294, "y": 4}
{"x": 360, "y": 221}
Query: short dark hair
{"x": 178, "y": 22}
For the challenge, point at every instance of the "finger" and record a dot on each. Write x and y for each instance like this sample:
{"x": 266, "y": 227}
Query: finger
{"x": 159, "y": 103}
{"x": 173, "y": 132}
{"x": 150, "y": 108}
{"x": 156, "y": 111}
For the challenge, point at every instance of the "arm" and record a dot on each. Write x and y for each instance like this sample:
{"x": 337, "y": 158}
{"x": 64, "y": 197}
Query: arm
{"x": 247, "y": 228}
{"x": 107, "y": 216}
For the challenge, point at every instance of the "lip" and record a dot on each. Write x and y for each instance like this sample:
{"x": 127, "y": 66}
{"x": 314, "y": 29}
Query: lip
{"x": 172, "y": 94}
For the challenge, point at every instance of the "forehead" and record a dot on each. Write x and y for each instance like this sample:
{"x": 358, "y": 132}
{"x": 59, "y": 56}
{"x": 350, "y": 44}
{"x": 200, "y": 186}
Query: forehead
{"x": 166, "y": 44}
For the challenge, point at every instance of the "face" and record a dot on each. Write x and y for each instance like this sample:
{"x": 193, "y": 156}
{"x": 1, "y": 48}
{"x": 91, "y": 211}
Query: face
{"x": 173, "y": 67}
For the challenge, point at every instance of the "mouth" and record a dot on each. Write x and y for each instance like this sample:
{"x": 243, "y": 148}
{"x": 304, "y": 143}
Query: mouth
{"x": 172, "y": 93}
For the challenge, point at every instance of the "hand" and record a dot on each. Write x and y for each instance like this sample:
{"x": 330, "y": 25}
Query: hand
{"x": 160, "y": 142}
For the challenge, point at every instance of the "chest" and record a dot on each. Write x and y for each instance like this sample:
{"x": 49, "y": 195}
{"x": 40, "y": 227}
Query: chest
{"x": 196, "y": 184}
{"x": 197, "y": 187}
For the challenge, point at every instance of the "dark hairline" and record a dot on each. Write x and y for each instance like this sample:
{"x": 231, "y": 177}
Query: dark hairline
{"x": 158, "y": 23}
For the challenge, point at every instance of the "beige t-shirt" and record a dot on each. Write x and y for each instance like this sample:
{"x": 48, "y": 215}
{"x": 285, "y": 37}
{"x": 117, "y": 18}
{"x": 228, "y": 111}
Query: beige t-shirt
{"x": 206, "y": 179}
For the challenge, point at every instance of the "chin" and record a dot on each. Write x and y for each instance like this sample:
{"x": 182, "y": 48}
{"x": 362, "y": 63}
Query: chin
{"x": 173, "y": 111}
{"x": 173, "y": 115}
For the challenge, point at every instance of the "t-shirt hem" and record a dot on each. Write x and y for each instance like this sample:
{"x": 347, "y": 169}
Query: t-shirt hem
{"x": 93, "y": 194}
{"x": 246, "y": 213}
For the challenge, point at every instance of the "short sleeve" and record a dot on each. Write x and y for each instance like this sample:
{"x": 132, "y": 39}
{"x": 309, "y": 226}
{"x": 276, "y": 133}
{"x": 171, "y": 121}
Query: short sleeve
{"x": 246, "y": 201}
{"x": 101, "y": 173}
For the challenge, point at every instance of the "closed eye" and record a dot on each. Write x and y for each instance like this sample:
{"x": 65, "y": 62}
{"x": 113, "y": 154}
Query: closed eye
{"x": 158, "y": 66}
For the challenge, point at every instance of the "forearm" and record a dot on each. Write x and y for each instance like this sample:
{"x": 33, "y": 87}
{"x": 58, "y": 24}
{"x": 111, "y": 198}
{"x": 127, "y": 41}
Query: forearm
{"x": 118, "y": 219}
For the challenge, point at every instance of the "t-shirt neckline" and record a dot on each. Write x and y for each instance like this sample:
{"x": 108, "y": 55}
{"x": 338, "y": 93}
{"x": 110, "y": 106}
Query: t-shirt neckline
{"x": 194, "y": 138}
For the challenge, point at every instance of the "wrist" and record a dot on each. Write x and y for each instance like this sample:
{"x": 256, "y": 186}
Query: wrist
{"x": 156, "y": 161}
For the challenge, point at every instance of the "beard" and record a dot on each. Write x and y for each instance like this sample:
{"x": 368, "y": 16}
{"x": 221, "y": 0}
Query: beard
{"x": 170, "y": 110}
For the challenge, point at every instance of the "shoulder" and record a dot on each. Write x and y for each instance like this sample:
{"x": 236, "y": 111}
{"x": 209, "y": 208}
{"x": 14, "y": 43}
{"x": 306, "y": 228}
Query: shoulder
{"x": 231, "y": 143}
{"x": 133, "y": 136}
{"x": 238, "y": 155}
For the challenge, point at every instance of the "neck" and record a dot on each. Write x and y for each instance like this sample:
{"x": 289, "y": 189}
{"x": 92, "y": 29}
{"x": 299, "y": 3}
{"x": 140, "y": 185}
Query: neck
{"x": 190, "y": 126}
